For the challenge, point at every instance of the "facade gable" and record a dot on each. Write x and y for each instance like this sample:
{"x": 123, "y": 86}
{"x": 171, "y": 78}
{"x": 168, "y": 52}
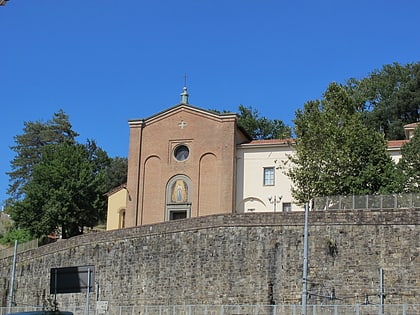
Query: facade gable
{"x": 185, "y": 149}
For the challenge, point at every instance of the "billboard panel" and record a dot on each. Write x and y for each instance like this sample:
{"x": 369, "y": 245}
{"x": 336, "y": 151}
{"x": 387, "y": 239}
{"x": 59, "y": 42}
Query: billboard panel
{"x": 72, "y": 279}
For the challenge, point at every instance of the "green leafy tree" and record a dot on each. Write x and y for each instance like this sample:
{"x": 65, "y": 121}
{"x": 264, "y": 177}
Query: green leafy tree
{"x": 29, "y": 146}
{"x": 117, "y": 172}
{"x": 336, "y": 154}
{"x": 390, "y": 98}
{"x": 66, "y": 191}
{"x": 410, "y": 163}
{"x": 261, "y": 127}
{"x": 20, "y": 235}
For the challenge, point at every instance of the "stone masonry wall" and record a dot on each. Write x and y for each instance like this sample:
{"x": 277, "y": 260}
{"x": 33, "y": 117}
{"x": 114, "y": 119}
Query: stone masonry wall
{"x": 235, "y": 259}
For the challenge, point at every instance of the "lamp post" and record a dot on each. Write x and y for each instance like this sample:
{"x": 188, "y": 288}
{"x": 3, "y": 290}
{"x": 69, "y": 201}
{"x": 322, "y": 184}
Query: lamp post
{"x": 305, "y": 261}
{"x": 274, "y": 200}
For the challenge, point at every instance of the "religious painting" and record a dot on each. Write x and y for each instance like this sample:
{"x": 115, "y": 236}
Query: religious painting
{"x": 179, "y": 191}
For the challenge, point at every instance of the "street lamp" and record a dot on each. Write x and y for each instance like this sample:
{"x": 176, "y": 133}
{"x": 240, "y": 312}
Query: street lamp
{"x": 274, "y": 200}
{"x": 3, "y": 2}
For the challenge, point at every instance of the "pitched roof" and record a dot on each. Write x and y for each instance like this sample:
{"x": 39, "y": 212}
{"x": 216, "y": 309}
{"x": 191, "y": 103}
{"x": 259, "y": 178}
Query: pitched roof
{"x": 269, "y": 142}
{"x": 190, "y": 107}
{"x": 412, "y": 125}
{"x": 392, "y": 144}
{"x": 116, "y": 189}
{"x": 396, "y": 143}
{"x": 273, "y": 141}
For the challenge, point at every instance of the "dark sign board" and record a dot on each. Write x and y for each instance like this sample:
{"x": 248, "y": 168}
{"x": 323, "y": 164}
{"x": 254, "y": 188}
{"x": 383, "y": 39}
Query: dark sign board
{"x": 72, "y": 279}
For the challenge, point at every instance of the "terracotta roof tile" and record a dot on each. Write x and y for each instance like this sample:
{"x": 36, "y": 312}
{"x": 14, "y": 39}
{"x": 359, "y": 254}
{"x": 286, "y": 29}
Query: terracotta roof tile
{"x": 115, "y": 189}
{"x": 396, "y": 143}
{"x": 391, "y": 143}
{"x": 412, "y": 125}
{"x": 272, "y": 141}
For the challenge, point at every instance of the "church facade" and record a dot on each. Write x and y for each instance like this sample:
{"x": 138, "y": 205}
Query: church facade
{"x": 181, "y": 164}
{"x": 189, "y": 162}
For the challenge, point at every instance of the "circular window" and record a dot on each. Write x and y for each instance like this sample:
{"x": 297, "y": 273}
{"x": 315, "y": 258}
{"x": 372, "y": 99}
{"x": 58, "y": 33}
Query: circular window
{"x": 181, "y": 153}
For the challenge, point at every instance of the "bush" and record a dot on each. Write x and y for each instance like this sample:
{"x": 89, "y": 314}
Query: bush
{"x": 11, "y": 236}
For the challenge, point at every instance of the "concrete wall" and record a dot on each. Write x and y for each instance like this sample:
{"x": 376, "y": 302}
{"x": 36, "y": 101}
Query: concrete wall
{"x": 235, "y": 259}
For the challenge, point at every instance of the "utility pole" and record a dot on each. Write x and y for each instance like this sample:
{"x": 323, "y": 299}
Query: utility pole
{"x": 12, "y": 278}
{"x": 305, "y": 261}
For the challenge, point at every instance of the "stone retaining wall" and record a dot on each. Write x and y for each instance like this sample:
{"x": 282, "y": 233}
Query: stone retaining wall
{"x": 235, "y": 259}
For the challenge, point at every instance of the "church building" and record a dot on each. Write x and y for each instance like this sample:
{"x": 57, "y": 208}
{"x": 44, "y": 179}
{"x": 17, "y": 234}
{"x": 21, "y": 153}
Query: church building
{"x": 187, "y": 162}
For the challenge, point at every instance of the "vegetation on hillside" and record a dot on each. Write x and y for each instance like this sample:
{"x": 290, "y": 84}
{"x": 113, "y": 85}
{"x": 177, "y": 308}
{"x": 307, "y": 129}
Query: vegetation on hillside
{"x": 409, "y": 165}
{"x": 57, "y": 185}
{"x": 336, "y": 153}
{"x": 261, "y": 127}
{"x": 341, "y": 139}
{"x": 389, "y": 98}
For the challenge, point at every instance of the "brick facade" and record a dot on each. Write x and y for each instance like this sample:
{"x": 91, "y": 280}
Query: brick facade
{"x": 207, "y": 175}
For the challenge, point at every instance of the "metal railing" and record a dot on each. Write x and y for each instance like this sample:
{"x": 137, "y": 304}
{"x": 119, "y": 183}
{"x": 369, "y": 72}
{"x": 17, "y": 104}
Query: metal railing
{"x": 358, "y": 309}
{"x": 372, "y": 202}
{"x": 7, "y": 252}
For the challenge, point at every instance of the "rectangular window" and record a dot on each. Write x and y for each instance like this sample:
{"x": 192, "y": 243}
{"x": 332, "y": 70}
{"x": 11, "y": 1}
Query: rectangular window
{"x": 268, "y": 176}
{"x": 287, "y": 207}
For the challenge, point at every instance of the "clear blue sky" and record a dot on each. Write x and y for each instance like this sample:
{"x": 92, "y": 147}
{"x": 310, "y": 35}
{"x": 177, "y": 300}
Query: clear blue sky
{"x": 104, "y": 62}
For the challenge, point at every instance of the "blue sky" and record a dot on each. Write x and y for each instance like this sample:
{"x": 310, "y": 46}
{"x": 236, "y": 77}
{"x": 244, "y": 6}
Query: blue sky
{"x": 104, "y": 62}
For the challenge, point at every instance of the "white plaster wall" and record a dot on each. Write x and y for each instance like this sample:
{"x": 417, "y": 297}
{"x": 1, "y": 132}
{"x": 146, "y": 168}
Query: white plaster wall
{"x": 252, "y": 195}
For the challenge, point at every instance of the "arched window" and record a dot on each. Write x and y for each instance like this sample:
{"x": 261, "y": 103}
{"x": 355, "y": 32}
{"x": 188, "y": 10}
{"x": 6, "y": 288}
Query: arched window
{"x": 121, "y": 219}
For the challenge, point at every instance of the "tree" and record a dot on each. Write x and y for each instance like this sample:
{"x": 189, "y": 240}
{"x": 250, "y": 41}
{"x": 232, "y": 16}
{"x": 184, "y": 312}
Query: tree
{"x": 66, "y": 191}
{"x": 12, "y": 235}
{"x": 336, "y": 154}
{"x": 410, "y": 163}
{"x": 390, "y": 98}
{"x": 29, "y": 146}
{"x": 117, "y": 172}
{"x": 261, "y": 127}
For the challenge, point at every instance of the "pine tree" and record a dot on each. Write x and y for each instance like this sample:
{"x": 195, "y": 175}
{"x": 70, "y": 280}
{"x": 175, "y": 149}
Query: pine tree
{"x": 29, "y": 145}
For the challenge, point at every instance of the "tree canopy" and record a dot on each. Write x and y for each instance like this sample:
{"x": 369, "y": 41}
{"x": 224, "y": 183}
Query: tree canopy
{"x": 66, "y": 191}
{"x": 117, "y": 172}
{"x": 57, "y": 183}
{"x": 29, "y": 146}
{"x": 336, "y": 154}
{"x": 389, "y": 98}
{"x": 410, "y": 163}
{"x": 261, "y": 127}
